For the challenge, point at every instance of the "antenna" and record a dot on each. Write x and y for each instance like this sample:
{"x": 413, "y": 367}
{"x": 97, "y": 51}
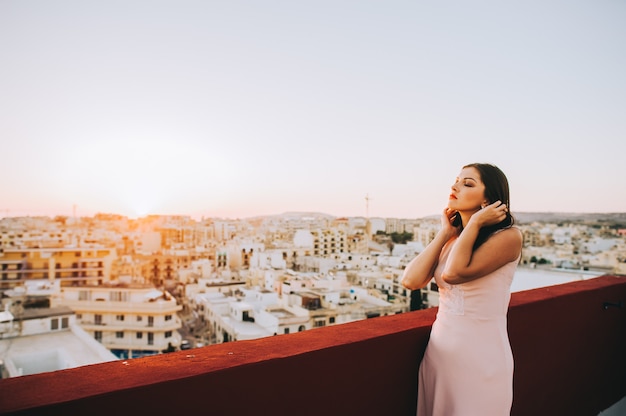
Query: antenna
{"x": 367, "y": 205}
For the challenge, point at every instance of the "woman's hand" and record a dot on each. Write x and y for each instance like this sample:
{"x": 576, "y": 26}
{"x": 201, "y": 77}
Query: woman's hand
{"x": 490, "y": 215}
{"x": 447, "y": 227}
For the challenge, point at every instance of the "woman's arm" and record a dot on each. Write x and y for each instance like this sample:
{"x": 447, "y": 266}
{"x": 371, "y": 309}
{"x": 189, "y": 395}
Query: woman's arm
{"x": 464, "y": 264}
{"x": 420, "y": 270}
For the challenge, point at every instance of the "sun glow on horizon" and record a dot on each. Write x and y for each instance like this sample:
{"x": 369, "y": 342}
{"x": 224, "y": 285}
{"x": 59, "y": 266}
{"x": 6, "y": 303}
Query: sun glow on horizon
{"x": 140, "y": 177}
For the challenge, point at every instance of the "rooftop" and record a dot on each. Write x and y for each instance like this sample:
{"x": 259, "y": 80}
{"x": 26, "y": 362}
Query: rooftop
{"x": 42, "y": 349}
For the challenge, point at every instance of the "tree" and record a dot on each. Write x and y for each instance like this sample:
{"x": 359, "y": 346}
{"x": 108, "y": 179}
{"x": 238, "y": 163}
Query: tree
{"x": 401, "y": 238}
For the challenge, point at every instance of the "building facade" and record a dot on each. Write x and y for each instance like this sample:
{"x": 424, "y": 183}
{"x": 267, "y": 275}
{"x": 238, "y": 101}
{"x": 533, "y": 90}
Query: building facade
{"x": 130, "y": 320}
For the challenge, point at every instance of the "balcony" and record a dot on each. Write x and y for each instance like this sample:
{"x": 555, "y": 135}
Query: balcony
{"x": 105, "y": 306}
{"x": 569, "y": 344}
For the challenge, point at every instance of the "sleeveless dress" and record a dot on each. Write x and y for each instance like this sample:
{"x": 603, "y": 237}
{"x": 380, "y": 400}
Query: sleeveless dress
{"x": 467, "y": 368}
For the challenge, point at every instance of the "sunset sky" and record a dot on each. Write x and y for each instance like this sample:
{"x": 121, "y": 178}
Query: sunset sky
{"x": 242, "y": 108}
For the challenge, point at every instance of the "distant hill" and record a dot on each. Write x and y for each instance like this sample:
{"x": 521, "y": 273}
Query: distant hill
{"x": 608, "y": 218}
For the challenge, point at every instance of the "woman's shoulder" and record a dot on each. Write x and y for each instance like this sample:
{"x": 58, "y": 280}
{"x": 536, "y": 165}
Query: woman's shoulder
{"x": 510, "y": 233}
{"x": 506, "y": 242}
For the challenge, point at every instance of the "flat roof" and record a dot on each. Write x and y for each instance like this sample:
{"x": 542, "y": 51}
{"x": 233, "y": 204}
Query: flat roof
{"x": 38, "y": 313}
{"x": 58, "y": 350}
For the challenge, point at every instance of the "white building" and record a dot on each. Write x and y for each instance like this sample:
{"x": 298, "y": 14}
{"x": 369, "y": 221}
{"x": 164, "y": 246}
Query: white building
{"x": 45, "y": 339}
{"x": 230, "y": 318}
{"x": 329, "y": 241}
{"x": 268, "y": 259}
{"x": 130, "y": 320}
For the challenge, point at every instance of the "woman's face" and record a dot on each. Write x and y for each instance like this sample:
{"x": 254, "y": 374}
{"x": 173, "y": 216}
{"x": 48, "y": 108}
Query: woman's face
{"x": 468, "y": 191}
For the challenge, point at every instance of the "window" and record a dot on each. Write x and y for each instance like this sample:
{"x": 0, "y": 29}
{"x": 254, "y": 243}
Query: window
{"x": 98, "y": 336}
{"x": 98, "y": 319}
{"x": 118, "y": 296}
{"x": 331, "y": 320}
{"x": 54, "y": 324}
{"x": 168, "y": 317}
{"x": 84, "y": 295}
{"x": 139, "y": 318}
{"x": 286, "y": 330}
{"x": 119, "y": 317}
{"x": 301, "y": 328}
{"x": 150, "y": 338}
{"x": 119, "y": 334}
{"x": 168, "y": 334}
{"x": 65, "y": 322}
{"x": 139, "y": 335}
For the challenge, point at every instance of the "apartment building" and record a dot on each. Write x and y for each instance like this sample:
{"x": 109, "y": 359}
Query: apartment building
{"x": 131, "y": 320}
{"x": 425, "y": 233}
{"x": 328, "y": 241}
{"x": 68, "y": 265}
{"x": 160, "y": 267}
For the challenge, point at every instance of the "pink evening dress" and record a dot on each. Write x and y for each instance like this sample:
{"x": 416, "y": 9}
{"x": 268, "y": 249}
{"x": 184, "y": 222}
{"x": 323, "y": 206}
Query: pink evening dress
{"x": 467, "y": 368}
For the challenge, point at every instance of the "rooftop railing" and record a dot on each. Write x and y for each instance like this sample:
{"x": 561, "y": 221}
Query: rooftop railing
{"x": 568, "y": 341}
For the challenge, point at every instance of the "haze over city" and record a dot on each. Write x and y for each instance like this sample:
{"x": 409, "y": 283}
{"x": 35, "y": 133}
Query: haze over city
{"x": 237, "y": 109}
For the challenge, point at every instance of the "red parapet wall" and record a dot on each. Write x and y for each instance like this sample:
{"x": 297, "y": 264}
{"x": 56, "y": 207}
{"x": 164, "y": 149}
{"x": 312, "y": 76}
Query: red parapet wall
{"x": 569, "y": 350}
{"x": 569, "y": 346}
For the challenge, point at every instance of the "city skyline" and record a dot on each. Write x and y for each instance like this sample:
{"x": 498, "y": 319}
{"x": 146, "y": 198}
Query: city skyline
{"x": 238, "y": 109}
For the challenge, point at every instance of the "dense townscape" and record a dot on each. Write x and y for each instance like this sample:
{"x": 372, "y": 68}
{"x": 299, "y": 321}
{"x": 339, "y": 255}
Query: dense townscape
{"x": 128, "y": 288}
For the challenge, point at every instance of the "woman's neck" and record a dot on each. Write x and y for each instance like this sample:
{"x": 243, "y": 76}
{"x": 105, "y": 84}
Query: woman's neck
{"x": 465, "y": 217}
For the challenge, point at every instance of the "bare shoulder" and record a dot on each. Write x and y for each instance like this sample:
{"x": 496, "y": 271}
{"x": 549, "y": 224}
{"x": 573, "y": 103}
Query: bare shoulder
{"x": 512, "y": 235}
{"x": 507, "y": 242}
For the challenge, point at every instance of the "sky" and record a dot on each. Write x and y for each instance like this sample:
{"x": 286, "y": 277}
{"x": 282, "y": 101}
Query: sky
{"x": 234, "y": 109}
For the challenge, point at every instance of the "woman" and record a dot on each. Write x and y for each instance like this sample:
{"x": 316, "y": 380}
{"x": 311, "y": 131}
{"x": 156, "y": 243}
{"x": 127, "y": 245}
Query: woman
{"x": 468, "y": 365}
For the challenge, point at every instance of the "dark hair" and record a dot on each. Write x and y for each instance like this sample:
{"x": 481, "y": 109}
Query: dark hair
{"x": 496, "y": 189}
